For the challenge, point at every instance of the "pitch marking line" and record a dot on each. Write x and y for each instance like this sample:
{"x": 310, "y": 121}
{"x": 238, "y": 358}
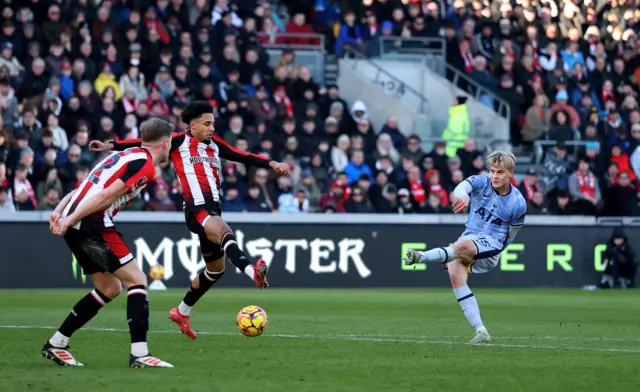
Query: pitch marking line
{"x": 355, "y": 338}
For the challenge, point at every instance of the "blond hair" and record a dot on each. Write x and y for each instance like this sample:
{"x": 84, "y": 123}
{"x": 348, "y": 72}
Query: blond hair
{"x": 500, "y": 158}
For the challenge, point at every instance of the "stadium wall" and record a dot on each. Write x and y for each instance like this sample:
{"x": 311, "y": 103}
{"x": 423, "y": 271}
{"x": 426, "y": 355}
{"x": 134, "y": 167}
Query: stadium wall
{"x": 315, "y": 250}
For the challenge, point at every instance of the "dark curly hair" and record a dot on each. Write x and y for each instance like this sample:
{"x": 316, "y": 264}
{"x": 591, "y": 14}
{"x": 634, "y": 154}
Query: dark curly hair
{"x": 195, "y": 110}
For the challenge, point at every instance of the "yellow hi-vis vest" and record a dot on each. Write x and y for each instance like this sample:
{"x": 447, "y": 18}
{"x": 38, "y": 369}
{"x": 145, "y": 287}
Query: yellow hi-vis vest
{"x": 458, "y": 129}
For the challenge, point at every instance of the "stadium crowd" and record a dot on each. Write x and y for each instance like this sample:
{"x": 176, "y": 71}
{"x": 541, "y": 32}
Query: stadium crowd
{"x": 71, "y": 72}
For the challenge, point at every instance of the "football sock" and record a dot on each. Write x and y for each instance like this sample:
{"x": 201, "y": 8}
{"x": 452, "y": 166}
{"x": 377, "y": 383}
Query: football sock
{"x": 206, "y": 279}
{"x": 438, "y": 255}
{"x": 469, "y": 306}
{"x": 237, "y": 256}
{"x": 138, "y": 319}
{"x": 82, "y": 312}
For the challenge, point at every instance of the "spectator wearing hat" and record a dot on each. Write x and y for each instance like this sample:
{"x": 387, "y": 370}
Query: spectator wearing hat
{"x": 9, "y": 60}
{"x": 387, "y": 201}
{"x": 233, "y": 200}
{"x": 380, "y": 39}
{"x": 308, "y": 184}
{"x": 585, "y": 89}
{"x": 537, "y": 205}
{"x": 561, "y": 103}
{"x": 160, "y": 200}
{"x": 335, "y": 197}
{"x": 405, "y": 204}
{"x": 294, "y": 203}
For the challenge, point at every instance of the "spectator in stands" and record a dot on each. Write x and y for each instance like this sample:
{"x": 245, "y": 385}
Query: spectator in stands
{"x": 294, "y": 203}
{"x": 560, "y": 128}
{"x": 555, "y": 169}
{"x": 536, "y": 122}
{"x": 621, "y": 197}
{"x": 528, "y": 187}
{"x": 537, "y": 205}
{"x": 358, "y": 202}
{"x": 356, "y": 167}
{"x": 561, "y": 204}
{"x": 350, "y": 35}
{"x": 6, "y": 204}
{"x": 160, "y": 200}
{"x": 584, "y": 189}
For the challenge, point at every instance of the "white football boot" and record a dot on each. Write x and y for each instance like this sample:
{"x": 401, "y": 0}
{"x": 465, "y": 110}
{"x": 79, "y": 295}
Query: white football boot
{"x": 482, "y": 336}
{"x": 59, "y": 355}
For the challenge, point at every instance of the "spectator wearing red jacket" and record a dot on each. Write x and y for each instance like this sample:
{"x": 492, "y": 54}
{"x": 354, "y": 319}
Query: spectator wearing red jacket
{"x": 299, "y": 25}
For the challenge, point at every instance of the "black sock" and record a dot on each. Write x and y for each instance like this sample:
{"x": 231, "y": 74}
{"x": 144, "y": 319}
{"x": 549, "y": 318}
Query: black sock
{"x": 233, "y": 252}
{"x": 206, "y": 279}
{"x": 138, "y": 313}
{"x": 83, "y": 311}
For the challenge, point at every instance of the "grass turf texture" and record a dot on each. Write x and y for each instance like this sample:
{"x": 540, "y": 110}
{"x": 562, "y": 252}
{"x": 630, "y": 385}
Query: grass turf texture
{"x": 337, "y": 340}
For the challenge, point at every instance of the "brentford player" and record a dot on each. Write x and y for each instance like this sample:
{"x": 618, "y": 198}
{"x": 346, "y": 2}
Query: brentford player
{"x": 85, "y": 219}
{"x": 195, "y": 156}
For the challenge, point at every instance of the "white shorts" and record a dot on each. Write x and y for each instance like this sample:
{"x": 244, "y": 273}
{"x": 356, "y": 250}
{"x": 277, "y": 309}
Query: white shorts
{"x": 488, "y": 255}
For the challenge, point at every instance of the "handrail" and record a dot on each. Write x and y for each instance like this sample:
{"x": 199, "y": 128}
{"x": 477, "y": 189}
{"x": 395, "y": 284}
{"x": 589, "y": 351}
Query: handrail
{"x": 490, "y": 146}
{"x": 539, "y": 144}
{"x": 282, "y": 41}
{"x": 379, "y": 70}
{"x": 440, "y": 46}
{"x": 480, "y": 90}
{"x": 539, "y": 150}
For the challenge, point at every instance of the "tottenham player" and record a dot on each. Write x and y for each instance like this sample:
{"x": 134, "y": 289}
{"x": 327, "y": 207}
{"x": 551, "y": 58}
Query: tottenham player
{"x": 85, "y": 219}
{"x": 194, "y": 155}
{"x": 496, "y": 215}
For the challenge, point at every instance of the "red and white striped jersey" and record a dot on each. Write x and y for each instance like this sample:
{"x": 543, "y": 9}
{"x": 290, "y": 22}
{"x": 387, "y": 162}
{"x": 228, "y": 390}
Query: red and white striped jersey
{"x": 134, "y": 166}
{"x": 197, "y": 165}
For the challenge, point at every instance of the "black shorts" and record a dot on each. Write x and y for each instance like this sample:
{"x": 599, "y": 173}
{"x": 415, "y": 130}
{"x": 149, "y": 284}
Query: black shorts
{"x": 98, "y": 249}
{"x": 196, "y": 217}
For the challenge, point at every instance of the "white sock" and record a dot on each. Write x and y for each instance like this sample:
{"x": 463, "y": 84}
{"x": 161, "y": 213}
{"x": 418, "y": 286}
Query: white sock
{"x": 139, "y": 349}
{"x": 59, "y": 340}
{"x": 469, "y": 306}
{"x": 249, "y": 271}
{"x": 438, "y": 255}
{"x": 184, "y": 309}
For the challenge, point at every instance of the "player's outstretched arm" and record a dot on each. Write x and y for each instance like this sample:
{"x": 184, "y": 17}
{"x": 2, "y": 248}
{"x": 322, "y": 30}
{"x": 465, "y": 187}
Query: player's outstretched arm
{"x": 98, "y": 202}
{"x": 461, "y": 196}
{"x": 232, "y": 154}
{"x": 99, "y": 146}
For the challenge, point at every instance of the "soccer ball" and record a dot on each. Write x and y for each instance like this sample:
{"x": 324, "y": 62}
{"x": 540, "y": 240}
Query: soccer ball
{"x": 252, "y": 320}
{"x": 156, "y": 272}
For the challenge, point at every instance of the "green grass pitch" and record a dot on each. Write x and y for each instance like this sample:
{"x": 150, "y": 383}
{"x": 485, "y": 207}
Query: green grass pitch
{"x": 337, "y": 340}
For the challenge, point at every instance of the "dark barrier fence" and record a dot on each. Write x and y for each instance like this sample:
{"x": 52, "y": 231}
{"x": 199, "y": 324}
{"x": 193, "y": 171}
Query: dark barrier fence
{"x": 316, "y": 255}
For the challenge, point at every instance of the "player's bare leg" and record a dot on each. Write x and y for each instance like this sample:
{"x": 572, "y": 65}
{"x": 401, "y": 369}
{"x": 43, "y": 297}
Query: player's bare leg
{"x": 219, "y": 232}
{"x": 459, "y": 259}
{"x": 199, "y": 285}
{"x": 138, "y": 316}
{"x": 56, "y": 349}
{"x": 459, "y": 269}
